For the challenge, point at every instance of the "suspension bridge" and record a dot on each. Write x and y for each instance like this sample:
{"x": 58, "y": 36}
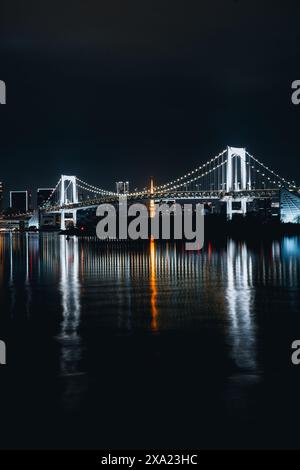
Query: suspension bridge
{"x": 234, "y": 176}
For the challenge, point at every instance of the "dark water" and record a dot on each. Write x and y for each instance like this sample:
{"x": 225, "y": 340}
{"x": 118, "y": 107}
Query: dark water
{"x": 148, "y": 346}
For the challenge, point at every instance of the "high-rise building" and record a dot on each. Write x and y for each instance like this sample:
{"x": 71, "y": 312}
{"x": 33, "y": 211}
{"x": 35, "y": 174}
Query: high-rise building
{"x": 122, "y": 187}
{"x": 20, "y": 201}
{"x": 289, "y": 207}
{"x": 43, "y": 195}
{"x": 1, "y": 197}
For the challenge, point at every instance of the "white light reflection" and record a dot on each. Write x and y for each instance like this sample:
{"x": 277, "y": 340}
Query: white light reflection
{"x": 71, "y": 349}
{"x": 11, "y": 274}
{"x": 239, "y": 297}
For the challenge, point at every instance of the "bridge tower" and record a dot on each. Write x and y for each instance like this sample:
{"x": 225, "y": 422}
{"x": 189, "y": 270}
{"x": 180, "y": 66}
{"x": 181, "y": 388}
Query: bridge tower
{"x": 236, "y": 170}
{"x": 68, "y": 185}
{"x": 151, "y": 203}
{"x": 68, "y": 196}
{"x": 236, "y": 180}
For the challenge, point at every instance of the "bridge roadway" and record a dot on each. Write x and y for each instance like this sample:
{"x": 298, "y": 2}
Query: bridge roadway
{"x": 164, "y": 196}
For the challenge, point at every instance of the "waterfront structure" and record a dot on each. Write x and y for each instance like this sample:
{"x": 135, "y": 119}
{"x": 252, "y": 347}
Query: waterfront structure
{"x": 234, "y": 182}
{"x": 1, "y": 197}
{"x": 289, "y": 207}
{"x": 20, "y": 201}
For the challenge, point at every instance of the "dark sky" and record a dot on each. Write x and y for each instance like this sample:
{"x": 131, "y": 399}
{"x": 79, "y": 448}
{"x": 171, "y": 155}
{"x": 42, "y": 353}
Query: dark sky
{"x": 110, "y": 90}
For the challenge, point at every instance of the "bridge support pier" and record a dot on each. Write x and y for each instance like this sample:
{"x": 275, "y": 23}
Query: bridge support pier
{"x": 68, "y": 217}
{"x": 230, "y": 210}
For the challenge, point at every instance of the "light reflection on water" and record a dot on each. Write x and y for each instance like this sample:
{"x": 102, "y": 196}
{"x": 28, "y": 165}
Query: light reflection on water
{"x": 69, "y": 338}
{"x": 151, "y": 288}
{"x": 239, "y": 298}
{"x": 174, "y": 286}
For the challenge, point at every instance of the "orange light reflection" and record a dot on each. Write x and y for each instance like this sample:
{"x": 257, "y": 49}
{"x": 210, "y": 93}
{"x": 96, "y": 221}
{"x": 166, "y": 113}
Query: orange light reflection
{"x": 154, "y": 310}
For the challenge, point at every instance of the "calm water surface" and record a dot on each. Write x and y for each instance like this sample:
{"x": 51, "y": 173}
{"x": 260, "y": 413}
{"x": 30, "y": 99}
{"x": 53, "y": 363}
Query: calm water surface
{"x": 126, "y": 346}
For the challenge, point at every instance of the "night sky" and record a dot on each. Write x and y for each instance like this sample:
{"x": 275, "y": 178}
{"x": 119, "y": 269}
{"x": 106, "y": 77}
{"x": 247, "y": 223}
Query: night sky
{"x": 110, "y": 90}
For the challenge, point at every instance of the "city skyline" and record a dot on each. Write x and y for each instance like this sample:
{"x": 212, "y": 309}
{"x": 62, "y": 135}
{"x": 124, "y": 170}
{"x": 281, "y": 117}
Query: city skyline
{"x": 123, "y": 186}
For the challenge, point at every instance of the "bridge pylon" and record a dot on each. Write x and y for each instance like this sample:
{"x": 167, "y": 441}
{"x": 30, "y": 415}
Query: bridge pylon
{"x": 236, "y": 174}
{"x": 68, "y": 196}
{"x": 68, "y": 187}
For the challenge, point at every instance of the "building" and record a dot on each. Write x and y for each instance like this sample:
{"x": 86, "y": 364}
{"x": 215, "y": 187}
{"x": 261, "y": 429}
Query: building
{"x": 289, "y": 207}
{"x": 20, "y": 201}
{"x": 14, "y": 224}
{"x": 43, "y": 195}
{"x": 1, "y": 197}
{"x": 122, "y": 187}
